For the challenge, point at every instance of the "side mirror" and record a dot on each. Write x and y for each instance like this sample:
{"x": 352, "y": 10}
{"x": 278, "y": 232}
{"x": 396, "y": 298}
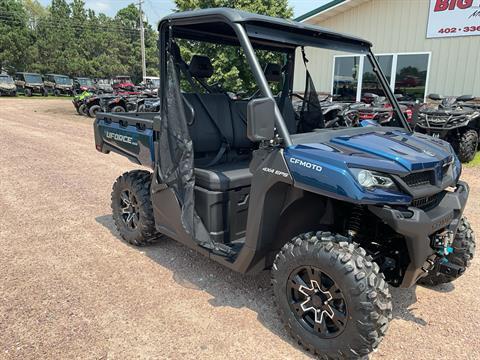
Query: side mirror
{"x": 261, "y": 119}
{"x": 435, "y": 97}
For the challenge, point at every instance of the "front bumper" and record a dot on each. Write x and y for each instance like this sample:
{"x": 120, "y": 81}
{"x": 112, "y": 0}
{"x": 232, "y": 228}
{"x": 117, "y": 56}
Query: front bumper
{"x": 417, "y": 228}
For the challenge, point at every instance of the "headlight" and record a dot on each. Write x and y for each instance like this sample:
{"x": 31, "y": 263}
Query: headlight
{"x": 371, "y": 179}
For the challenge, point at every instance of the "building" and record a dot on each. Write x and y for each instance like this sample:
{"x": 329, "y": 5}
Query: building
{"x": 423, "y": 46}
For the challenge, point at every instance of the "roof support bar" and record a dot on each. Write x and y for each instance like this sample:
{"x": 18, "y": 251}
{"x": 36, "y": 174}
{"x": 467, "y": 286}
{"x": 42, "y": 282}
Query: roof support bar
{"x": 388, "y": 91}
{"x": 261, "y": 80}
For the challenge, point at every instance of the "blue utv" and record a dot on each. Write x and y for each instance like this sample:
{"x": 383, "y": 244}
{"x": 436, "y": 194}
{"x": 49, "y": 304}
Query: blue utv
{"x": 336, "y": 210}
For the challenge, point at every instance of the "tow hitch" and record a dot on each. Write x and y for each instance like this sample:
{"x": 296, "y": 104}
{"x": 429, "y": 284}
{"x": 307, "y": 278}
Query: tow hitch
{"x": 451, "y": 269}
{"x": 442, "y": 243}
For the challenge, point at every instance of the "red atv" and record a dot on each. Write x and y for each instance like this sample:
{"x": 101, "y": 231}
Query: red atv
{"x": 123, "y": 83}
{"x": 378, "y": 108}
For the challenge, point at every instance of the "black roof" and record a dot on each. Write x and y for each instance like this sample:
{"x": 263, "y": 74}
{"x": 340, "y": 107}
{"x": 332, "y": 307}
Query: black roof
{"x": 228, "y": 15}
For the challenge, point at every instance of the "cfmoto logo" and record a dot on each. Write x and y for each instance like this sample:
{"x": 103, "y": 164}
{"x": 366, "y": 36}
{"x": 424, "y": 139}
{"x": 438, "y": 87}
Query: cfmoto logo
{"x": 119, "y": 137}
{"x": 306, "y": 164}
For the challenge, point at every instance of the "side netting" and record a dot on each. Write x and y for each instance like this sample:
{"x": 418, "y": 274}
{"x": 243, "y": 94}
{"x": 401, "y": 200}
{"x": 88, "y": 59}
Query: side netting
{"x": 176, "y": 160}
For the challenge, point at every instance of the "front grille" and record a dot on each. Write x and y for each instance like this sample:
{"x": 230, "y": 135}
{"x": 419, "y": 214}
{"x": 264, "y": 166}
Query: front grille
{"x": 428, "y": 202}
{"x": 419, "y": 179}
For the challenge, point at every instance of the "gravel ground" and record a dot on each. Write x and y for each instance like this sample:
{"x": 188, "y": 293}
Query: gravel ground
{"x": 70, "y": 288}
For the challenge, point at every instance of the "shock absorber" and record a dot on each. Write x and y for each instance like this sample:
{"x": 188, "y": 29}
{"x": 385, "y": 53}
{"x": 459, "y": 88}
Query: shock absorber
{"x": 355, "y": 221}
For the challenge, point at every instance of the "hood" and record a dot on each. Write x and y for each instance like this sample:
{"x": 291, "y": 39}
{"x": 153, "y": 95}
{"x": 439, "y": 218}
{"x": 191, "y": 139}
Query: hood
{"x": 6, "y": 86}
{"x": 390, "y": 150}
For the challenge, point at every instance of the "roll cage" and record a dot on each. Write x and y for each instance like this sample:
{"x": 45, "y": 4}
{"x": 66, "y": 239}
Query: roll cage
{"x": 250, "y": 31}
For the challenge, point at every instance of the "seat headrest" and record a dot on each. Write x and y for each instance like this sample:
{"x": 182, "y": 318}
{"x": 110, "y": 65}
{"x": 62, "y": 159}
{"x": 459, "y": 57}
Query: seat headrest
{"x": 273, "y": 72}
{"x": 200, "y": 67}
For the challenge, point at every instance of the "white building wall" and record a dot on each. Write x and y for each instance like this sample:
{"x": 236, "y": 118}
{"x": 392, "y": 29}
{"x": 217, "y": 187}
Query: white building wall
{"x": 399, "y": 26}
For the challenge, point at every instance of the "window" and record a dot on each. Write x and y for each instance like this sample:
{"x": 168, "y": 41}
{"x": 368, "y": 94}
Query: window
{"x": 407, "y": 75}
{"x": 411, "y": 75}
{"x": 370, "y": 83}
{"x": 345, "y": 80}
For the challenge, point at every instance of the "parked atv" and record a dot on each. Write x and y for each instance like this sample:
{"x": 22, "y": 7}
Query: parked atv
{"x": 80, "y": 102}
{"x": 81, "y": 84}
{"x": 7, "y": 86}
{"x": 148, "y": 105}
{"x": 103, "y": 86}
{"x": 58, "y": 84}
{"x": 96, "y": 103}
{"x": 29, "y": 84}
{"x": 123, "y": 83}
{"x": 335, "y": 213}
{"x": 454, "y": 121}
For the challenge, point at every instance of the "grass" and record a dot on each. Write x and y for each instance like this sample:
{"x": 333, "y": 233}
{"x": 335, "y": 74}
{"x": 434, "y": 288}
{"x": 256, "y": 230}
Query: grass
{"x": 475, "y": 162}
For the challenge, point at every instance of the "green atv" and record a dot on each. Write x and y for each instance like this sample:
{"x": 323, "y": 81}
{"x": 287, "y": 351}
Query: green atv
{"x": 79, "y": 101}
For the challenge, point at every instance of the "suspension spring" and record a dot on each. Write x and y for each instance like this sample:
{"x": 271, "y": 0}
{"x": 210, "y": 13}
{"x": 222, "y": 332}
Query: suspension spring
{"x": 355, "y": 221}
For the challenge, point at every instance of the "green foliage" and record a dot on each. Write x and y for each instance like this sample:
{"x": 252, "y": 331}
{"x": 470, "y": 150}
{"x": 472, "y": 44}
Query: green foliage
{"x": 67, "y": 38}
{"x": 229, "y": 62}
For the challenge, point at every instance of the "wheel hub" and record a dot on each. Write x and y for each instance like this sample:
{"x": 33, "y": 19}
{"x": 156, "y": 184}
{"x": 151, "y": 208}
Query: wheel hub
{"x": 317, "y": 302}
{"x": 130, "y": 209}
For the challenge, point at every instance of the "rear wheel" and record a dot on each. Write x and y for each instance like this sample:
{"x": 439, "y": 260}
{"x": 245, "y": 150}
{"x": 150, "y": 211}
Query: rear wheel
{"x": 467, "y": 145}
{"x": 92, "y": 112}
{"x": 463, "y": 252}
{"x": 82, "y": 109}
{"x": 132, "y": 208}
{"x": 331, "y": 296}
{"x": 117, "y": 109}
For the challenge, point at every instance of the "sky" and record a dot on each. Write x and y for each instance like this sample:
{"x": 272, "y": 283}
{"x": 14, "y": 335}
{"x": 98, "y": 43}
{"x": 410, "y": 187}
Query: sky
{"x": 156, "y": 9}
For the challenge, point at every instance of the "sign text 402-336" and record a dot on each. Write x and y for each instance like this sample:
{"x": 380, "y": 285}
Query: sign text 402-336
{"x": 449, "y": 18}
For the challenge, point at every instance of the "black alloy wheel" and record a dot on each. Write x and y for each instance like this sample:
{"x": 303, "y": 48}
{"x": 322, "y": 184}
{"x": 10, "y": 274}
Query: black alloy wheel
{"x": 130, "y": 209}
{"x": 317, "y": 302}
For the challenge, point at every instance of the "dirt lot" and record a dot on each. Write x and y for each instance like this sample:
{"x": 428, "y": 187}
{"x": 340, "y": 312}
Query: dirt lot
{"x": 70, "y": 288}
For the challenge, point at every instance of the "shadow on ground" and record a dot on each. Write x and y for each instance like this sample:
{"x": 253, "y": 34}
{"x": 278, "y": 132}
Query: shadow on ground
{"x": 231, "y": 289}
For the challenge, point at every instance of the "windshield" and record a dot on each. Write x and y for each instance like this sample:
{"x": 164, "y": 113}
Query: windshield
{"x": 85, "y": 82}
{"x": 5, "y": 79}
{"x": 63, "y": 80}
{"x": 33, "y": 78}
{"x": 337, "y": 88}
{"x": 154, "y": 82}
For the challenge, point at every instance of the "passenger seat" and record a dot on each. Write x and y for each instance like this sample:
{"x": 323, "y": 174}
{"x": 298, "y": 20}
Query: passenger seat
{"x": 232, "y": 171}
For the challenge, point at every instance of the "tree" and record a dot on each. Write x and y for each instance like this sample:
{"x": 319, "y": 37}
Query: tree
{"x": 15, "y": 35}
{"x": 231, "y": 68}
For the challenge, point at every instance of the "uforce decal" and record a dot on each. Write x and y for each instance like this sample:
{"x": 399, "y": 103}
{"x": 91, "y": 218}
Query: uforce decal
{"x": 306, "y": 164}
{"x": 120, "y": 137}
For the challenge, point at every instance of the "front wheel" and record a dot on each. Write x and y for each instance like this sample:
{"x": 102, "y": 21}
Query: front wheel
{"x": 467, "y": 145}
{"x": 92, "y": 112}
{"x": 331, "y": 296}
{"x": 132, "y": 208}
{"x": 463, "y": 251}
{"x": 28, "y": 92}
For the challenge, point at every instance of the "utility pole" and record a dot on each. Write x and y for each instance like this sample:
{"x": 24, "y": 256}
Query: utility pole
{"x": 142, "y": 40}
